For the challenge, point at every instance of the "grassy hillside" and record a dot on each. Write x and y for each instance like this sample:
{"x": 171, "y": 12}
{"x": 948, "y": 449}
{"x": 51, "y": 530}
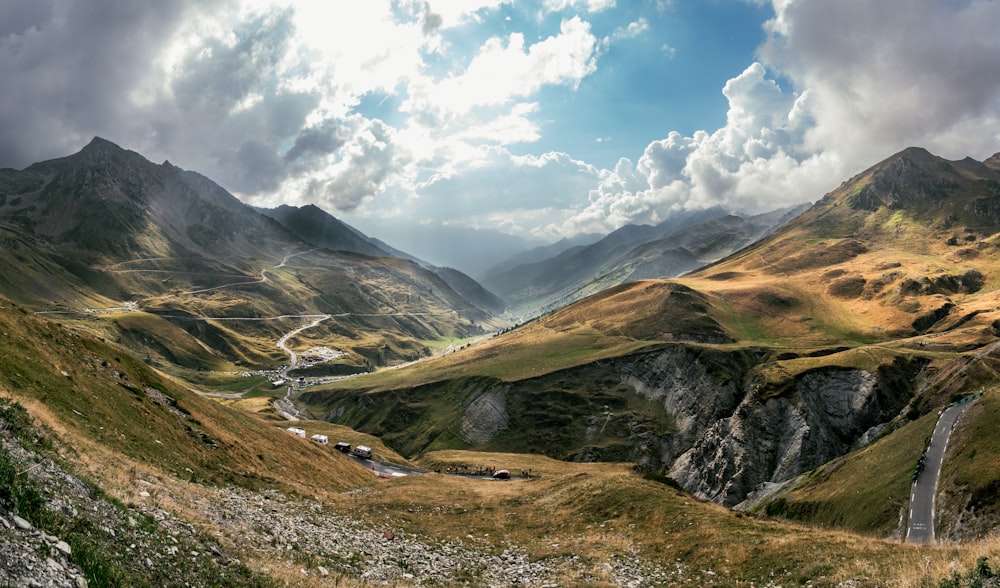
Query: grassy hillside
{"x": 866, "y": 491}
{"x": 129, "y": 428}
{"x": 111, "y": 406}
{"x": 894, "y": 274}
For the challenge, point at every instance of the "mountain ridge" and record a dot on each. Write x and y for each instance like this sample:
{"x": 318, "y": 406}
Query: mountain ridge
{"x": 842, "y": 317}
{"x": 106, "y": 228}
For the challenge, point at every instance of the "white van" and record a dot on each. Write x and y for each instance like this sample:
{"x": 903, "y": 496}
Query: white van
{"x": 362, "y": 451}
{"x": 321, "y": 439}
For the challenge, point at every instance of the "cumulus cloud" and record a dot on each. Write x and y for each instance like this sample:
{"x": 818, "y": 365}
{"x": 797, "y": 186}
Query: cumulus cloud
{"x": 885, "y": 75}
{"x": 506, "y": 69}
{"x": 755, "y": 162}
{"x": 865, "y": 79}
{"x": 69, "y": 68}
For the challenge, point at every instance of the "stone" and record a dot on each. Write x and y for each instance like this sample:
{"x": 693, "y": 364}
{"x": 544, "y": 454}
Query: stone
{"x": 21, "y": 524}
{"x": 64, "y": 547}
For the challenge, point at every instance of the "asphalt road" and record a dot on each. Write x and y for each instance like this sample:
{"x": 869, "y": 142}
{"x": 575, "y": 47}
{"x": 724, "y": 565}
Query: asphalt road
{"x": 922, "y": 494}
{"x": 385, "y": 469}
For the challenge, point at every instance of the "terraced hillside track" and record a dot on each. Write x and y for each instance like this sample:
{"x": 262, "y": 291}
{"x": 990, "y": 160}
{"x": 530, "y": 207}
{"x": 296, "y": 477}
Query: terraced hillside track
{"x": 920, "y": 528}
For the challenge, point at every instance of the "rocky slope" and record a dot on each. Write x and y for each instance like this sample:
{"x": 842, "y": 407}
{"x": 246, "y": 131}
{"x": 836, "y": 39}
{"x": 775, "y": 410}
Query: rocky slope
{"x": 701, "y": 416}
{"x": 79, "y": 537}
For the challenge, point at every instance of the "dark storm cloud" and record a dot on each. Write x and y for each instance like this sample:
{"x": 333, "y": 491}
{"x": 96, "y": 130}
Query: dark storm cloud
{"x": 892, "y": 74}
{"x": 430, "y": 22}
{"x": 369, "y": 169}
{"x": 315, "y": 142}
{"x": 68, "y": 68}
{"x": 227, "y": 111}
{"x": 221, "y": 75}
{"x": 82, "y": 68}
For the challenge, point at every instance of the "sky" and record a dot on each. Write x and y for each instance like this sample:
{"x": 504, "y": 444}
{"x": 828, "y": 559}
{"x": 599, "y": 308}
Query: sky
{"x": 540, "y": 119}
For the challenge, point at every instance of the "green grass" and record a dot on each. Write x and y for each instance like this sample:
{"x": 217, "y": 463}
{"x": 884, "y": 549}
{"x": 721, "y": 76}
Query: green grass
{"x": 864, "y": 491}
{"x": 971, "y": 474}
{"x": 104, "y": 397}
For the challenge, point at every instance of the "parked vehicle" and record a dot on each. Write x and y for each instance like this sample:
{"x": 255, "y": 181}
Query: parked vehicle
{"x": 501, "y": 475}
{"x": 343, "y": 447}
{"x": 362, "y": 451}
{"x": 321, "y": 439}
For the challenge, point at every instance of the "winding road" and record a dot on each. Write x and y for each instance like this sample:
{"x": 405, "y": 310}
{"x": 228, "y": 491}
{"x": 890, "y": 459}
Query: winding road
{"x": 920, "y": 528}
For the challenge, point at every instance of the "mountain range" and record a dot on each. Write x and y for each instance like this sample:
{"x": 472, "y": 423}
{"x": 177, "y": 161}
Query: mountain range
{"x": 212, "y": 281}
{"x": 678, "y": 393}
{"x": 686, "y": 241}
{"x": 846, "y": 325}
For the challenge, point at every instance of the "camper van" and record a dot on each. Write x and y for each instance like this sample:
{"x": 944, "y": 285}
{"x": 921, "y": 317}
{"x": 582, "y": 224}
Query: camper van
{"x": 362, "y": 451}
{"x": 321, "y": 439}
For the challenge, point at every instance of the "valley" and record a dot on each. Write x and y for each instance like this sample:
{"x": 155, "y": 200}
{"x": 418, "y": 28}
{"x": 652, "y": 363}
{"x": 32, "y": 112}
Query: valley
{"x": 756, "y": 420}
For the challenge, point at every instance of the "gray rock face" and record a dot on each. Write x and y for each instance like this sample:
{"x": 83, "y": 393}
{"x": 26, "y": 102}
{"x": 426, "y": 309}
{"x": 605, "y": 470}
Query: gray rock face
{"x": 486, "y": 416}
{"x": 732, "y": 436}
{"x": 769, "y": 440}
{"x": 689, "y": 390}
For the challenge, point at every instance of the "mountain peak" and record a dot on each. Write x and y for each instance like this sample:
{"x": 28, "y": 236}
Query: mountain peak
{"x": 916, "y": 153}
{"x": 102, "y": 150}
{"x": 993, "y": 162}
{"x": 101, "y": 145}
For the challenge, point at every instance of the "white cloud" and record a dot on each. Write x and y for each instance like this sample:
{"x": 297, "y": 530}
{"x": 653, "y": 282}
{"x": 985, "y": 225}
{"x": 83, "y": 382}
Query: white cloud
{"x": 507, "y": 69}
{"x": 755, "y": 162}
{"x": 590, "y": 5}
{"x": 633, "y": 30}
{"x": 886, "y": 75}
{"x": 522, "y": 195}
{"x": 867, "y": 78}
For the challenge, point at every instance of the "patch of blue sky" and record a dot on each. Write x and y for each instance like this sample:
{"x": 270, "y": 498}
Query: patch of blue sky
{"x": 668, "y": 78}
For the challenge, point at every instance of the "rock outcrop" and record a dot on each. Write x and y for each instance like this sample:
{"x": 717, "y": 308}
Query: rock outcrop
{"x": 770, "y": 439}
{"x": 733, "y": 434}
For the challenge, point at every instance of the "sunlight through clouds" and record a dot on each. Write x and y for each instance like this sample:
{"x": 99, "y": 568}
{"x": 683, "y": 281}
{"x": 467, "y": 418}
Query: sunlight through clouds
{"x": 384, "y": 111}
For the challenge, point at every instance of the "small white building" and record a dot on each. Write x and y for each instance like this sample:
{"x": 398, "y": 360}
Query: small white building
{"x": 321, "y": 439}
{"x": 297, "y": 432}
{"x": 278, "y": 382}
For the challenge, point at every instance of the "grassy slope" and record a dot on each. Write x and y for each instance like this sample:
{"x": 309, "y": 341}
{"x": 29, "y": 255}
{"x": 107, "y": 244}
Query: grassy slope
{"x": 865, "y": 491}
{"x": 105, "y": 398}
{"x": 597, "y": 513}
{"x": 613, "y": 323}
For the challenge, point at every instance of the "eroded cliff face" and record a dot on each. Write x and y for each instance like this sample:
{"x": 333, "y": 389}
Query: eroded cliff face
{"x": 702, "y": 415}
{"x": 734, "y": 435}
{"x": 694, "y": 389}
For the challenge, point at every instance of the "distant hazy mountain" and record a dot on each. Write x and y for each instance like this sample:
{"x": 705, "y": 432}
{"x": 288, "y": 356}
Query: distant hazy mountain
{"x": 315, "y": 225}
{"x": 680, "y": 244}
{"x": 544, "y": 252}
{"x": 472, "y": 251}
